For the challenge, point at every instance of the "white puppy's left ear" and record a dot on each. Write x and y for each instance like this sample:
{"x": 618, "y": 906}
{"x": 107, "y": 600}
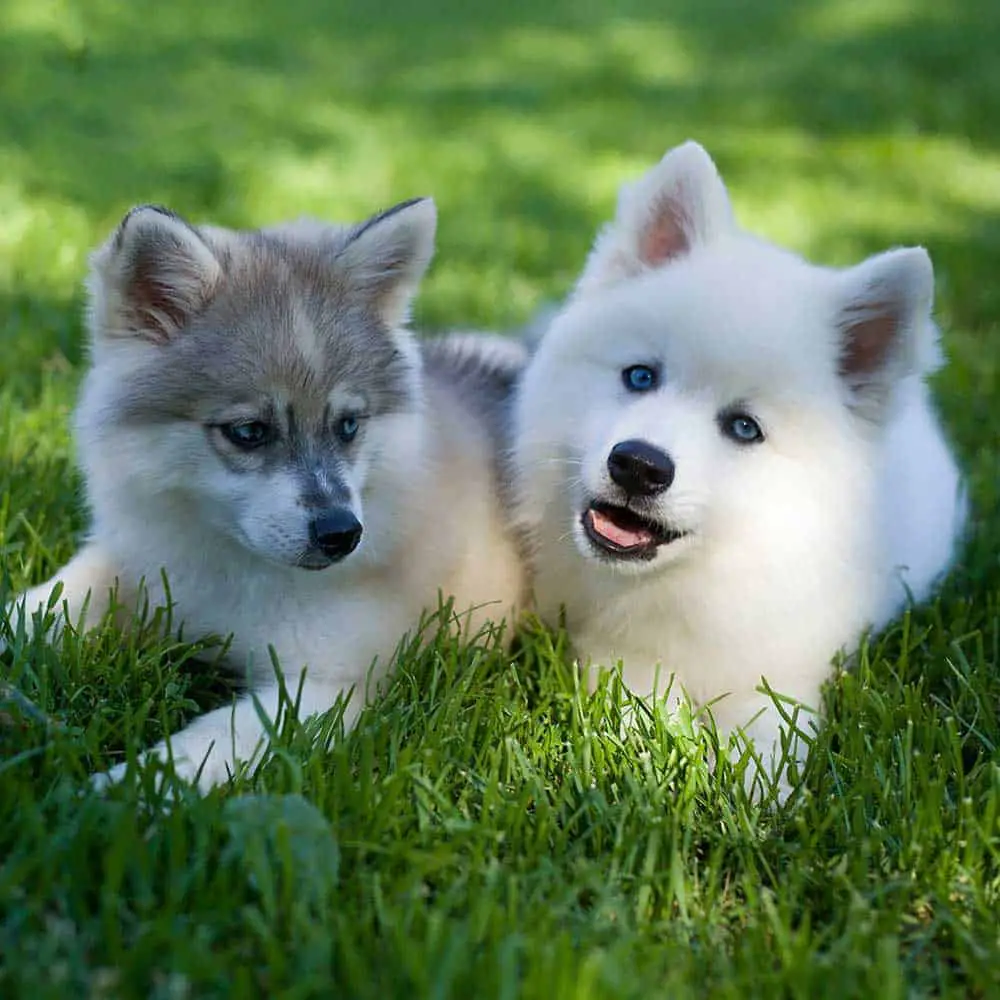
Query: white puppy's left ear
{"x": 680, "y": 204}
{"x": 386, "y": 256}
{"x": 883, "y": 321}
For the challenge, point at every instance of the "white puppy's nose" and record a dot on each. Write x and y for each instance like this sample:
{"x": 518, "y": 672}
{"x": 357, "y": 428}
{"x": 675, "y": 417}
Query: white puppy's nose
{"x": 640, "y": 469}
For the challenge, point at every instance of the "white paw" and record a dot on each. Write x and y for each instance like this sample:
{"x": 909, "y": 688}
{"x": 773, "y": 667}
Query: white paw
{"x": 204, "y": 774}
{"x": 103, "y": 780}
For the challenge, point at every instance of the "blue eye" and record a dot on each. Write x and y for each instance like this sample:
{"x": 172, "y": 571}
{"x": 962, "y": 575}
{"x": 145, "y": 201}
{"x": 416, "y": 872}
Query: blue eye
{"x": 741, "y": 428}
{"x": 248, "y": 434}
{"x": 640, "y": 378}
{"x": 347, "y": 427}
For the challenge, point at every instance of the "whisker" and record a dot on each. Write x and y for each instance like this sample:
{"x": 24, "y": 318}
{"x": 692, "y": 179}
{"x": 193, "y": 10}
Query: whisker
{"x": 571, "y": 462}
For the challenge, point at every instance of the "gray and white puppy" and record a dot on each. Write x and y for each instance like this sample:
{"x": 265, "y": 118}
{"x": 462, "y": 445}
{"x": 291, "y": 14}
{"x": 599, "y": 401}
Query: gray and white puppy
{"x": 258, "y": 423}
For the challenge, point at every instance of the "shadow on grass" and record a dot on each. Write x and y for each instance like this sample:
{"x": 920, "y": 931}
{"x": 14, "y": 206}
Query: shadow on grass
{"x": 106, "y": 104}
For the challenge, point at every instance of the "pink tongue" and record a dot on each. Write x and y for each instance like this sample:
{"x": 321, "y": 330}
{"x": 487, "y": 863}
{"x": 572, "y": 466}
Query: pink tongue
{"x": 624, "y": 538}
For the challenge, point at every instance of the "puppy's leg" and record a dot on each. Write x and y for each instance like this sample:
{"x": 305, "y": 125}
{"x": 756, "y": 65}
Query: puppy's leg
{"x": 215, "y": 743}
{"x": 88, "y": 580}
{"x": 777, "y": 742}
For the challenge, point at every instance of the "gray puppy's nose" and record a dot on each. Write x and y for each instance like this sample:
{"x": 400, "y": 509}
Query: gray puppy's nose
{"x": 336, "y": 533}
{"x": 640, "y": 469}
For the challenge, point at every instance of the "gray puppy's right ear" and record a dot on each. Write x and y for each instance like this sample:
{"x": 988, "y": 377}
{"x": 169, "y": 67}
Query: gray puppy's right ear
{"x": 386, "y": 256}
{"x": 151, "y": 277}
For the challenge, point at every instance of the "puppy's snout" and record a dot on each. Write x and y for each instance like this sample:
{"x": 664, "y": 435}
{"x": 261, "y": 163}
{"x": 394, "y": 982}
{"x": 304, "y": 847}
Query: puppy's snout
{"x": 640, "y": 469}
{"x": 336, "y": 533}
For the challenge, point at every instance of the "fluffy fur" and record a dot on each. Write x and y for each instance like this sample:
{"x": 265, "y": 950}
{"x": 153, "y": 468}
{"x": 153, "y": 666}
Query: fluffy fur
{"x": 760, "y": 557}
{"x": 293, "y": 341}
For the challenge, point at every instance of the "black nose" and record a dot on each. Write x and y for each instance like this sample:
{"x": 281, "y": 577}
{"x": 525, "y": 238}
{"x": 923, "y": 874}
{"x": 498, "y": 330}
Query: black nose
{"x": 640, "y": 469}
{"x": 336, "y": 534}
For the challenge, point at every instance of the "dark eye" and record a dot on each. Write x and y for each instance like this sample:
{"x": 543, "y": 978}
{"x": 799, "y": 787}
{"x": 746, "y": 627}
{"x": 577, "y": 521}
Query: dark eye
{"x": 640, "y": 378}
{"x": 741, "y": 428}
{"x": 347, "y": 427}
{"x": 248, "y": 434}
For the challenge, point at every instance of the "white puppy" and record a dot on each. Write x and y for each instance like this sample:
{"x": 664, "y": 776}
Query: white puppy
{"x": 727, "y": 458}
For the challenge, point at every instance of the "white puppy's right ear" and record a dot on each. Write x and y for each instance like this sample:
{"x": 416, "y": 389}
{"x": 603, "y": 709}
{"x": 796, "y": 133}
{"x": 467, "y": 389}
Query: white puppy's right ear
{"x": 680, "y": 204}
{"x": 151, "y": 277}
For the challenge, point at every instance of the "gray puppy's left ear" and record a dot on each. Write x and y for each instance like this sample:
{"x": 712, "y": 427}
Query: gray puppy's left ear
{"x": 386, "y": 256}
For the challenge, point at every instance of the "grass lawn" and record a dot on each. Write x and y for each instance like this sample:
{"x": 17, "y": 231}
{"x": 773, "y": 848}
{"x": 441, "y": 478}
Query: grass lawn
{"x": 486, "y": 832}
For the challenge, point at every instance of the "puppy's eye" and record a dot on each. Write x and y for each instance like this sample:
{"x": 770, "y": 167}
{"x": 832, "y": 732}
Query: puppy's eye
{"x": 741, "y": 428}
{"x": 248, "y": 434}
{"x": 640, "y": 378}
{"x": 347, "y": 427}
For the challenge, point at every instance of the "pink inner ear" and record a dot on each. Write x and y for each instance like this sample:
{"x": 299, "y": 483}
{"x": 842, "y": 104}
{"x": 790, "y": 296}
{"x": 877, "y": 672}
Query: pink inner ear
{"x": 158, "y": 295}
{"x": 665, "y": 237}
{"x": 868, "y": 335}
{"x": 154, "y": 304}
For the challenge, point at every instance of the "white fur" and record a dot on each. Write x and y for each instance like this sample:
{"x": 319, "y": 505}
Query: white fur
{"x": 797, "y": 543}
{"x": 162, "y": 501}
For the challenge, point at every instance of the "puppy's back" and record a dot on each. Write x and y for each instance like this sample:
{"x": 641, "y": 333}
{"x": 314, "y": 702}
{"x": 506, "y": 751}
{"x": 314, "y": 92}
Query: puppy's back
{"x": 480, "y": 372}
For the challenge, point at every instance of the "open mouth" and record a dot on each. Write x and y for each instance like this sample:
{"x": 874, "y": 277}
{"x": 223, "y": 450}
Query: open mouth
{"x": 624, "y": 534}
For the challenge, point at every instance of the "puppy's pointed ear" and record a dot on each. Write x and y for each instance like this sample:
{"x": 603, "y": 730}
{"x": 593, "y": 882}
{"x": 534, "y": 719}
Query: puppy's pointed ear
{"x": 386, "y": 256}
{"x": 884, "y": 326}
{"x": 151, "y": 277}
{"x": 680, "y": 204}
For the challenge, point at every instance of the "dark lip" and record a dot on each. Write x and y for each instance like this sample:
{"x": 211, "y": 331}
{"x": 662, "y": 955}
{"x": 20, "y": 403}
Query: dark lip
{"x": 662, "y": 535}
{"x": 314, "y": 562}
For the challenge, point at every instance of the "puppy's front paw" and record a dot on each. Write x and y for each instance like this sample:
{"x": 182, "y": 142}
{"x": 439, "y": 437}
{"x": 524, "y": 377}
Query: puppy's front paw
{"x": 103, "y": 780}
{"x": 164, "y": 794}
{"x": 203, "y": 772}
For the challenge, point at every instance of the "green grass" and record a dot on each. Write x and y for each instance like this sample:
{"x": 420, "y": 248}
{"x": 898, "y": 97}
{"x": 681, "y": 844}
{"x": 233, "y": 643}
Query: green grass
{"x": 486, "y": 832}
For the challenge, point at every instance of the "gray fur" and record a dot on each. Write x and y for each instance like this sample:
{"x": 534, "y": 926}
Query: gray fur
{"x": 483, "y": 370}
{"x": 245, "y": 337}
